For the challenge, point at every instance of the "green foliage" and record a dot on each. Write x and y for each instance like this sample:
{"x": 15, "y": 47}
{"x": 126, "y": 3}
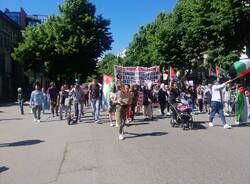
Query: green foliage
{"x": 218, "y": 28}
{"x": 106, "y": 65}
{"x": 66, "y": 44}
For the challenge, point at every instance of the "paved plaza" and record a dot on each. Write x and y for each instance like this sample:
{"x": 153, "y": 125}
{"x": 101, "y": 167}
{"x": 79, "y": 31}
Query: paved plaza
{"x": 51, "y": 152}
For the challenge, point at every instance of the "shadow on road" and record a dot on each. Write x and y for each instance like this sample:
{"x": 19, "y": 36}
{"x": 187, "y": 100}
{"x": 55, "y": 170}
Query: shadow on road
{"x": 136, "y": 124}
{"x": 241, "y": 125}
{"x": 135, "y": 135}
{"x": 155, "y": 118}
{"x": 21, "y": 143}
{"x": 8, "y": 104}
{"x": 198, "y": 125}
{"x": 11, "y": 119}
{"x": 3, "y": 169}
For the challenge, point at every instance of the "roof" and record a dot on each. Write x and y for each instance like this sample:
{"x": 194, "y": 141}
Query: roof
{"x": 4, "y": 16}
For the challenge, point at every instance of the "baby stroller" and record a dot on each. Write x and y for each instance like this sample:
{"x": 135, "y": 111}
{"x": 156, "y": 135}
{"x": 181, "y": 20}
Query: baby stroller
{"x": 183, "y": 111}
{"x": 71, "y": 119}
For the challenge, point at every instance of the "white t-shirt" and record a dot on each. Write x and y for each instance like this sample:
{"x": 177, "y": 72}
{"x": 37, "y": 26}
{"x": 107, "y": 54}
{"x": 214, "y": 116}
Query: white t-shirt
{"x": 217, "y": 92}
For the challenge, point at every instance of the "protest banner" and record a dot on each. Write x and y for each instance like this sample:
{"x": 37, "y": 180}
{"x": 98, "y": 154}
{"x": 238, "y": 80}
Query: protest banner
{"x": 137, "y": 75}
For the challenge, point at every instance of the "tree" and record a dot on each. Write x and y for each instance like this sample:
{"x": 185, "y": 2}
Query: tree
{"x": 66, "y": 44}
{"x": 106, "y": 65}
{"x": 217, "y": 28}
{"x": 157, "y": 44}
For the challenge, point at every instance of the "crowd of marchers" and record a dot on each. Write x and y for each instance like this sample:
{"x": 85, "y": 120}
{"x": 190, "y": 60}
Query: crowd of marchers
{"x": 127, "y": 101}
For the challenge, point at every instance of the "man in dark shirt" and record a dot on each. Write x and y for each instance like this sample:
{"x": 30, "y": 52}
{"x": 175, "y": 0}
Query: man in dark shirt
{"x": 52, "y": 93}
{"x": 94, "y": 96}
{"x": 173, "y": 96}
{"x": 63, "y": 94}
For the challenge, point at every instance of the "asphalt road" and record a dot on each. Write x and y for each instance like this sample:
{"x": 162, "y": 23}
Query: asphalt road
{"x": 51, "y": 152}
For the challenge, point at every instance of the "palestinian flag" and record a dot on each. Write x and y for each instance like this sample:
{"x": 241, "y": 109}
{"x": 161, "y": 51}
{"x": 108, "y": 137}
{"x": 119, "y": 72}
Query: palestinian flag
{"x": 242, "y": 67}
{"x": 220, "y": 71}
{"x": 184, "y": 80}
{"x": 172, "y": 73}
{"x": 212, "y": 73}
{"x": 108, "y": 83}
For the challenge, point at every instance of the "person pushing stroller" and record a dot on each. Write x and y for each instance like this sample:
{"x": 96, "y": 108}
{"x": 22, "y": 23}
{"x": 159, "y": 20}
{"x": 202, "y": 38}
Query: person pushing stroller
{"x": 174, "y": 98}
{"x": 180, "y": 109}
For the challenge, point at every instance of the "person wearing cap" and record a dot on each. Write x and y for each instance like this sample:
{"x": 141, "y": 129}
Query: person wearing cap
{"x": 20, "y": 99}
{"x": 217, "y": 103}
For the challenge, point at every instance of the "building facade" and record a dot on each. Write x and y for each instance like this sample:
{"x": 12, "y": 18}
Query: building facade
{"x": 9, "y": 34}
{"x": 23, "y": 19}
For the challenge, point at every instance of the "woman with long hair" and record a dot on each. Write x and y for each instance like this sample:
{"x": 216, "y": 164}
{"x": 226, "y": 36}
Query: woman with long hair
{"x": 121, "y": 109}
{"x": 200, "y": 96}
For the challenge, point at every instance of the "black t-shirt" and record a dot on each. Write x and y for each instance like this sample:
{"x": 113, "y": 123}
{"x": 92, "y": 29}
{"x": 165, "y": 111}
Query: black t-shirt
{"x": 94, "y": 91}
{"x": 174, "y": 93}
{"x": 162, "y": 96}
{"x": 63, "y": 96}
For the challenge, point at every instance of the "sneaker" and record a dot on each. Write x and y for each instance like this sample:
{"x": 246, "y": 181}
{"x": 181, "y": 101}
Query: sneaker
{"x": 210, "y": 124}
{"x": 112, "y": 124}
{"x": 38, "y": 121}
{"x": 97, "y": 121}
{"x": 121, "y": 137}
{"x": 226, "y": 114}
{"x": 237, "y": 123}
{"x": 116, "y": 125}
{"x": 35, "y": 120}
{"x": 168, "y": 114}
{"x": 227, "y": 126}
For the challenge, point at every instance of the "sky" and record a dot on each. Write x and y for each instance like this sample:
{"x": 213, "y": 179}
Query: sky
{"x": 126, "y": 16}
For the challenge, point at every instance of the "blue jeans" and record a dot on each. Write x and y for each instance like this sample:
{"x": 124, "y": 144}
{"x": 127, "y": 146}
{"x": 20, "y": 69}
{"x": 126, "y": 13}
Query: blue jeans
{"x": 96, "y": 108}
{"x": 21, "y": 106}
{"x": 217, "y": 107}
{"x": 191, "y": 104}
{"x": 78, "y": 109}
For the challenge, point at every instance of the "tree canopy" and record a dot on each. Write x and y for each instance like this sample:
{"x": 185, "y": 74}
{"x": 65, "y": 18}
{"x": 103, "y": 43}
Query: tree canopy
{"x": 106, "y": 65}
{"x": 66, "y": 44}
{"x": 195, "y": 27}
